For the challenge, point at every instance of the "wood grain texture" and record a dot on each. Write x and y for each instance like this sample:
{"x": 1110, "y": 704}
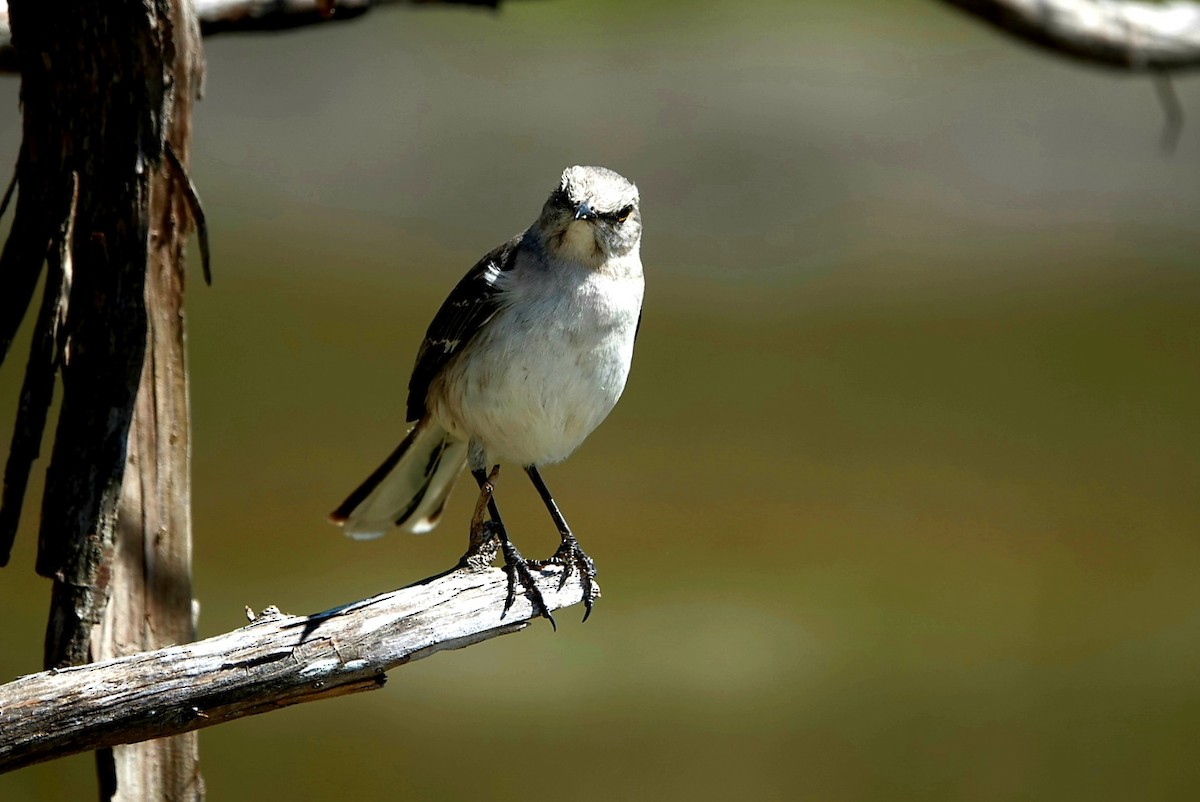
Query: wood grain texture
{"x": 105, "y": 90}
{"x": 277, "y": 660}
{"x": 150, "y": 576}
{"x": 93, "y": 93}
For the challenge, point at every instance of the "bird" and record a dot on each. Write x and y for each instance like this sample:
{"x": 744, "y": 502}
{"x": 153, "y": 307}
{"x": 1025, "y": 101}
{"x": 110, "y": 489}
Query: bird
{"x": 527, "y": 355}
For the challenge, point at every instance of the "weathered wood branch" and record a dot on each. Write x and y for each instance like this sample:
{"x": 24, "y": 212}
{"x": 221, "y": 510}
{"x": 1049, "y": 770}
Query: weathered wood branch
{"x": 277, "y": 660}
{"x": 1121, "y": 34}
{"x": 226, "y": 16}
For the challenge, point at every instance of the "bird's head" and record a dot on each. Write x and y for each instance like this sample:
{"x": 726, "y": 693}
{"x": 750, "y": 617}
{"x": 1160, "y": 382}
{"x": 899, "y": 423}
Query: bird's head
{"x": 591, "y": 215}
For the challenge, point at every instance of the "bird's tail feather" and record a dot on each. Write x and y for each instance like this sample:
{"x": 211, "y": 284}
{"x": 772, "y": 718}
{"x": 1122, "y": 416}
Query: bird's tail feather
{"x": 409, "y": 489}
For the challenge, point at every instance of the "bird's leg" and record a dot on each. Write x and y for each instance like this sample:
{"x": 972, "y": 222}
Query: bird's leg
{"x": 569, "y": 553}
{"x": 483, "y": 538}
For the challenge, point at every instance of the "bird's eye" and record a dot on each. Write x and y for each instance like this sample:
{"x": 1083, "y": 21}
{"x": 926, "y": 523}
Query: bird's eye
{"x": 623, "y": 214}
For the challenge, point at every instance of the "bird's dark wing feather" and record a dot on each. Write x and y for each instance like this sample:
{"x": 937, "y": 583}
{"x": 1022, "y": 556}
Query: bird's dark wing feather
{"x": 470, "y": 304}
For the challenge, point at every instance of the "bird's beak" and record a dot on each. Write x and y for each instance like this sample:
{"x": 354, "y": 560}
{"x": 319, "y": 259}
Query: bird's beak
{"x": 584, "y": 212}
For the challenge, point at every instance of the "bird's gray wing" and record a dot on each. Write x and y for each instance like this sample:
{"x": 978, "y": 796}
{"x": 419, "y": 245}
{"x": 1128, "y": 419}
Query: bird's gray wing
{"x": 470, "y": 305}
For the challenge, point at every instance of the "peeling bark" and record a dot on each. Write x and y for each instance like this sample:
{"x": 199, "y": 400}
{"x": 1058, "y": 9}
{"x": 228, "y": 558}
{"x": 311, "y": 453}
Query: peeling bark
{"x": 106, "y": 89}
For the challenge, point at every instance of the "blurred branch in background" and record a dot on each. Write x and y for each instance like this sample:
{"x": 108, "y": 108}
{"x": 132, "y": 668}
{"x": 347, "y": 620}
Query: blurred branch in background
{"x": 1124, "y": 34}
{"x": 221, "y": 16}
{"x": 1127, "y": 35}
{"x": 1158, "y": 38}
{"x": 276, "y": 661}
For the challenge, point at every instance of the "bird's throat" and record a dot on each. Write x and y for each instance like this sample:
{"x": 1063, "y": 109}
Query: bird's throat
{"x": 578, "y": 242}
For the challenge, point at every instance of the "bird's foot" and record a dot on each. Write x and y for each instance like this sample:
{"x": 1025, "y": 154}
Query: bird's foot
{"x": 517, "y": 568}
{"x": 569, "y": 555}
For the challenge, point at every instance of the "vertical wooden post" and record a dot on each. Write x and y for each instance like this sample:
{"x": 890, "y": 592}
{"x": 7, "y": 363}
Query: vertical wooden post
{"x": 150, "y": 585}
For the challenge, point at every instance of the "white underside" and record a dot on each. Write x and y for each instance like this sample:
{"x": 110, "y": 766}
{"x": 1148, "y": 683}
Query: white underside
{"x": 547, "y": 369}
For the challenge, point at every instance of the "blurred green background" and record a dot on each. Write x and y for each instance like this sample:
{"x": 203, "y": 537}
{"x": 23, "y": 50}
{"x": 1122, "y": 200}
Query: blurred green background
{"x": 903, "y": 499}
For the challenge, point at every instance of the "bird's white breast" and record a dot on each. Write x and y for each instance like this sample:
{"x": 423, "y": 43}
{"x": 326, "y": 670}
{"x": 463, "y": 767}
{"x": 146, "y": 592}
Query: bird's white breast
{"x": 555, "y": 359}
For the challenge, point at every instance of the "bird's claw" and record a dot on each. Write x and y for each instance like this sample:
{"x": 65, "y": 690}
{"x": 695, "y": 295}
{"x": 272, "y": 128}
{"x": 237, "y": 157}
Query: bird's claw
{"x": 517, "y": 568}
{"x": 569, "y": 555}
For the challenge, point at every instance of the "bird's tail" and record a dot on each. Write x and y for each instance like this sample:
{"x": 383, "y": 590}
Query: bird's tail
{"x": 409, "y": 489}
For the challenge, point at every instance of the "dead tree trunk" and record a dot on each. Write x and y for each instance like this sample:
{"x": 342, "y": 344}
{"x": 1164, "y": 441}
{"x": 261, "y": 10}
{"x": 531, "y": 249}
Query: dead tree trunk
{"x": 106, "y": 92}
{"x": 151, "y": 582}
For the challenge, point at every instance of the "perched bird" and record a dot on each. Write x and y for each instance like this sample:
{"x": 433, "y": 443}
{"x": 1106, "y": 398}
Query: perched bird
{"x": 527, "y": 355}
